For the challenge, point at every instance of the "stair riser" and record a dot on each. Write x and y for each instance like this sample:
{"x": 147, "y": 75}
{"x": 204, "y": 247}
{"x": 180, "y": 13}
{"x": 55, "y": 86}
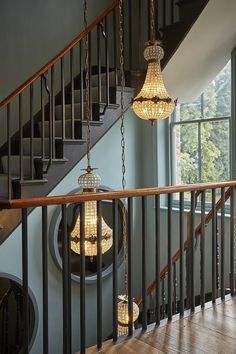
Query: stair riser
{"x": 15, "y": 166}
{"x": 77, "y": 111}
{"x": 94, "y": 80}
{"x": 94, "y": 93}
{"x": 58, "y": 129}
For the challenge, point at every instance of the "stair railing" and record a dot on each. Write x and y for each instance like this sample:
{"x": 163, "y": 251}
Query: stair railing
{"x": 34, "y": 104}
{"x": 185, "y": 247}
{"x": 48, "y": 108}
{"x": 141, "y": 217}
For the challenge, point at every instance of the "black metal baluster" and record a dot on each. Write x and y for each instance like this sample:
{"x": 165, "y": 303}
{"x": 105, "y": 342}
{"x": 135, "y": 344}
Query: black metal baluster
{"x": 163, "y": 295}
{"x": 25, "y": 333}
{"x": 130, "y": 248}
{"x": 222, "y": 286}
{"x": 42, "y": 119}
{"x": 144, "y": 281}
{"x": 157, "y": 259}
{"x": 21, "y": 138}
{"x": 72, "y": 94}
{"x": 7, "y": 328}
{"x": 107, "y": 64}
{"x": 82, "y": 281}
{"x": 9, "y": 150}
{"x": 115, "y": 47}
{"x": 99, "y": 276}
{"x": 130, "y": 19}
{"x": 149, "y": 20}
{"x": 232, "y": 243}
{"x": 202, "y": 249}
{"x": 90, "y": 77}
{"x": 217, "y": 258}
{"x": 53, "y": 111}
{"x": 174, "y": 289}
{"x": 164, "y": 14}
{"x": 63, "y": 108}
{"x": 45, "y": 278}
{"x": 181, "y": 249}
{"x": 213, "y": 245}
{"x": 115, "y": 266}
{"x": 99, "y": 65}
{"x": 66, "y": 292}
{"x": 172, "y": 11}
{"x": 192, "y": 252}
{"x": 32, "y": 131}
{"x": 81, "y": 81}
{"x": 169, "y": 227}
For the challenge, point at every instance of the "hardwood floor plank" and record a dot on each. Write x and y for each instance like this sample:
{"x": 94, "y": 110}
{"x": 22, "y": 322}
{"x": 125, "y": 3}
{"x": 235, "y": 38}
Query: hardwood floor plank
{"x": 212, "y": 331}
{"x": 216, "y": 321}
{"x": 131, "y": 346}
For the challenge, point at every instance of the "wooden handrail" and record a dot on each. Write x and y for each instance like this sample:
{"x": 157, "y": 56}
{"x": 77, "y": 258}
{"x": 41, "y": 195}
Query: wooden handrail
{"x": 61, "y": 54}
{"x": 176, "y": 256}
{"x": 85, "y": 197}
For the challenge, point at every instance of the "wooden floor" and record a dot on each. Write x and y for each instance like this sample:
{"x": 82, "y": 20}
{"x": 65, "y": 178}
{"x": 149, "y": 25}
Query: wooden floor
{"x": 210, "y": 331}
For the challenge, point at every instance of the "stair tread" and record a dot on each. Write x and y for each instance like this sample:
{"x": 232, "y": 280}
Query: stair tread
{"x": 31, "y": 181}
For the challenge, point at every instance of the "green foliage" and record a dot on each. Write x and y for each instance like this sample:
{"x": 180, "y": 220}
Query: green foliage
{"x": 212, "y": 155}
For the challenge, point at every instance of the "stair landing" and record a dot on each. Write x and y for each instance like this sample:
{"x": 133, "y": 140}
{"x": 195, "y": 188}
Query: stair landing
{"x": 212, "y": 331}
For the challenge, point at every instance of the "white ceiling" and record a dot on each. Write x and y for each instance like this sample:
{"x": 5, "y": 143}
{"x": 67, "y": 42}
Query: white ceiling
{"x": 204, "y": 52}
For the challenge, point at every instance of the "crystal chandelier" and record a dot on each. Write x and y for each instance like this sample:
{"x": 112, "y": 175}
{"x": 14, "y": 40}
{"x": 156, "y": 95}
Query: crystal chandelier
{"x": 123, "y": 314}
{"x": 89, "y": 181}
{"x": 122, "y": 305}
{"x": 153, "y": 101}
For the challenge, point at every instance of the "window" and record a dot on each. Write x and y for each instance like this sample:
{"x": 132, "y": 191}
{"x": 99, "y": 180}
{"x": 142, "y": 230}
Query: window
{"x": 200, "y": 135}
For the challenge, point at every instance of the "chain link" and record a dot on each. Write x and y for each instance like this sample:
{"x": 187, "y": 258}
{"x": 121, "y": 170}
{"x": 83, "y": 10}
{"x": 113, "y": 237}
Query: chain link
{"x": 87, "y": 83}
{"x": 122, "y": 130}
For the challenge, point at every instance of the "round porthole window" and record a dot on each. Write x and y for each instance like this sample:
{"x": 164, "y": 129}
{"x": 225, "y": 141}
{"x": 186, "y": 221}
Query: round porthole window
{"x": 11, "y": 315}
{"x": 55, "y": 240}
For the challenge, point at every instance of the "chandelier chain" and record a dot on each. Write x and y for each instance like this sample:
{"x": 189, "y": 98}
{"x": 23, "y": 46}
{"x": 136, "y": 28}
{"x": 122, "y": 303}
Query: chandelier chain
{"x": 152, "y": 20}
{"x": 87, "y": 84}
{"x": 122, "y": 130}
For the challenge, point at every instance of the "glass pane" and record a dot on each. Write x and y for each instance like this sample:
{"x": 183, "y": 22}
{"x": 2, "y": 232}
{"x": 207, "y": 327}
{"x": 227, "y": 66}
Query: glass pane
{"x": 217, "y": 97}
{"x": 187, "y": 159}
{"x": 189, "y": 110}
{"x": 215, "y": 151}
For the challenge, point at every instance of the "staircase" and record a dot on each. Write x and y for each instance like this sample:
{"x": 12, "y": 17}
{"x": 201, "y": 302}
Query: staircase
{"x": 46, "y": 127}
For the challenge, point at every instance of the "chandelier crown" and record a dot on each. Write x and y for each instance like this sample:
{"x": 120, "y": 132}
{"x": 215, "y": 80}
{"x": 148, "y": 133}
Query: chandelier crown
{"x": 89, "y": 180}
{"x": 153, "y": 52}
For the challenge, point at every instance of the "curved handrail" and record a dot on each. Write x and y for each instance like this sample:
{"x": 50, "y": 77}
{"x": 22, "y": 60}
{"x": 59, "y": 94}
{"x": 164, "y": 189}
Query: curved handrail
{"x": 176, "y": 256}
{"x": 61, "y": 54}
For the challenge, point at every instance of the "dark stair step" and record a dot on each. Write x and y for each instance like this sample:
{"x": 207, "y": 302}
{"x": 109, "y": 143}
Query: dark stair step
{"x": 190, "y": 9}
{"x": 15, "y": 166}
{"x": 94, "y": 79}
{"x": 97, "y": 110}
{"x": 58, "y": 128}
{"x": 3, "y": 186}
{"x": 94, "y": 93}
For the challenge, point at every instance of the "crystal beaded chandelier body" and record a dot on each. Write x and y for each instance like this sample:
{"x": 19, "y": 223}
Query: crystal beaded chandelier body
{"x": 153, "y": 101}
{"x": 123, "y": 300}
{"x": 89, "y": 182}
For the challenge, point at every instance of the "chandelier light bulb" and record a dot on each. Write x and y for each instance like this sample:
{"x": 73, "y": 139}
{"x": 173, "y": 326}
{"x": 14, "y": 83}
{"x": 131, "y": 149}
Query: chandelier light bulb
{"x": 153, "y": 101}
{"x": 89, "y": 182}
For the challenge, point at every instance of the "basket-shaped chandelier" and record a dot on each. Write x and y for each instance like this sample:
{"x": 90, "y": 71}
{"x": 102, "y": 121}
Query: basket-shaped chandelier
{"x": 153, "y": 101}
{"x": 89, "y": 181}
